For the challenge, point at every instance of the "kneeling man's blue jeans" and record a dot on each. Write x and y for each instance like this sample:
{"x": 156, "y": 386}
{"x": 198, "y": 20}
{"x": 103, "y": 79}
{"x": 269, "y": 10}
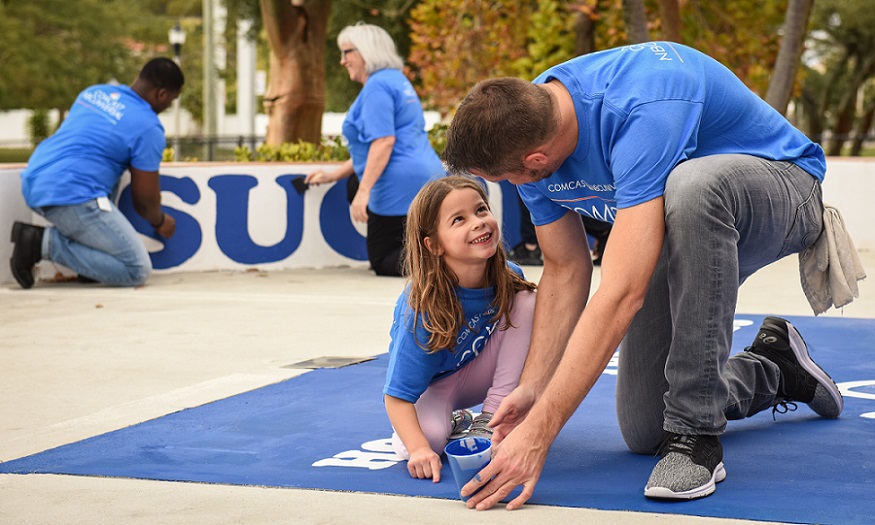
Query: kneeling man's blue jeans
{"x": 101, "y": 245}
{"x": 726, "y": 216}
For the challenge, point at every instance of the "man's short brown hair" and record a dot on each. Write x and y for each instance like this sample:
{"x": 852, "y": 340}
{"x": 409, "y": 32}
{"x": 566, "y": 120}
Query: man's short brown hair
{"x": 498, "y": 122}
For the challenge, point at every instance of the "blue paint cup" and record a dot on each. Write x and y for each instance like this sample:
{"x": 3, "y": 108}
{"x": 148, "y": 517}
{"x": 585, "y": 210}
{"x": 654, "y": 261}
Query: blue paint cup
{"x": 467, "y": 456}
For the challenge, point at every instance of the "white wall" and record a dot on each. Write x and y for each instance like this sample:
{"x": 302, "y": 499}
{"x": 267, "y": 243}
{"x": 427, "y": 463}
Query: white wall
{"x": 229, "y": 217}
{"x": 326, "y": 229}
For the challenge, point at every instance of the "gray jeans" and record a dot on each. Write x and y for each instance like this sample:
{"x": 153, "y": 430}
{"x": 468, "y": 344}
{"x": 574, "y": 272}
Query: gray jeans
{"x": 726, "y": 217}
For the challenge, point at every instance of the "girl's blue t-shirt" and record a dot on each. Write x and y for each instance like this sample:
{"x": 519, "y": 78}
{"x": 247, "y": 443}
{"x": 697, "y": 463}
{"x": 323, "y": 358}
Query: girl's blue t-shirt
{"x": 411, "y": 368}
{"x": 389, "y": 106}
{"x": 109, "y": 128}
{"x": 642, "y": 110}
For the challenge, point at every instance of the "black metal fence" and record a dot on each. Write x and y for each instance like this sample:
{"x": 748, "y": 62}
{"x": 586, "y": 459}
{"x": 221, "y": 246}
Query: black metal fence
{"x": 209, "y": 149}
{"x": 202, "y": 148}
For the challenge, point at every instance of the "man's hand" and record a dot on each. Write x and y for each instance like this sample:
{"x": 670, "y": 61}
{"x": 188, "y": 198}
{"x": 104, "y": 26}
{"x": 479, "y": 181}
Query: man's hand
{"x": 512, "y": 411}
{"x": 518, "y": 460}
{"x": 168, "y": 227}
{"x": 424, "y": 463}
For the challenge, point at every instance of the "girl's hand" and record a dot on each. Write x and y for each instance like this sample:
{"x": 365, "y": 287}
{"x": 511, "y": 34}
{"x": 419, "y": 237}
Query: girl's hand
{"x": 424, "y": 463}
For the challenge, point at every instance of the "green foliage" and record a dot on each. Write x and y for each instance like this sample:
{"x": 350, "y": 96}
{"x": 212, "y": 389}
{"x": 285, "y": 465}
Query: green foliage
{"x": 459, "y": 42}
{"x": 14, "y": 155}
{"x": 551, "y": 39}
{"x": 391, "y": 15}
{"x": 330, "y": 150}
{"x": 52, "y": 49}
{"x": 742, "y": 34}
{"x": 437, "y": 136}
{"x": 38, "y": 128}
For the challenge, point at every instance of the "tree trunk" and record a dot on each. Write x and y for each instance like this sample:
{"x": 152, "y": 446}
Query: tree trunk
{"x": 784, "y": 75}
{"x": 846, "y": 110}
{"x": 584, "y": 28}
{"x": 832, "y": 81}
{"x": 670, "y": 12}
{"x": 295, "y": 98}
{"x": 813, "y": 116}
{"x": 636, "y": 21}
{"x": 863, "y": 127}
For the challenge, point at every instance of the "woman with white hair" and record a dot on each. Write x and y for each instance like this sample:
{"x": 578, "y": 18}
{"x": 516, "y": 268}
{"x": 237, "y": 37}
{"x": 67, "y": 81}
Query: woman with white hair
{"x": 389, "y": 148}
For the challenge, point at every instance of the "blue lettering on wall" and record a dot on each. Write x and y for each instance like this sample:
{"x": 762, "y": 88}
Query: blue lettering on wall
{"x": 187, "y": 239}
{"x": 232, "y": 219}
{"x": 337, "y": 227}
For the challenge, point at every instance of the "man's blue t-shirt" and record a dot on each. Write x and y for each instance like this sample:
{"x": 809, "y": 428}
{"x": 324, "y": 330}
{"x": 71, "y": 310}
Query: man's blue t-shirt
{"x": 389, "y": 106}
{"x": 109, "y": 128}
{"x": 411, "y": 368}
{"x": 642, "y": 110}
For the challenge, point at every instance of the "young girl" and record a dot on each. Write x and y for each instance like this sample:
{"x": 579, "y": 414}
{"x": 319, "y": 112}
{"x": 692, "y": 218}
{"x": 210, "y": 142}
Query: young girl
{"x": 462, "y": 326}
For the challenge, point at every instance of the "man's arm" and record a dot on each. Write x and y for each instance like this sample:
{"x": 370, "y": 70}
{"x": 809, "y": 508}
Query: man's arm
{"x": 628, "y": 264}
{"x": 562, "y": 293}
{"x": 146, "y": 194}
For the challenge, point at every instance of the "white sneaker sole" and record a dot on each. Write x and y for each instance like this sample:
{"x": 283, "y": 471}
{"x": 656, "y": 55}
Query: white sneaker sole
{"x": 800, "y": 350}
{"x": 707, "y": 489}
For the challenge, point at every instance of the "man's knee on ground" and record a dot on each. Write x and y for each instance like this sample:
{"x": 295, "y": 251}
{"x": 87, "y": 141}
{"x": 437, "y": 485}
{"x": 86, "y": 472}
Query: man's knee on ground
{"x": 134, "y": 275}
{"x": 641, "y": 441}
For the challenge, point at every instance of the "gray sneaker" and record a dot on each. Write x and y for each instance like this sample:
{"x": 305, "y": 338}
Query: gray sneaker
{"x": 690, "y": 467}
{"x": 462, "y": 420}
{"x": 801, "y": 379}
{"x": 480, "y": 426}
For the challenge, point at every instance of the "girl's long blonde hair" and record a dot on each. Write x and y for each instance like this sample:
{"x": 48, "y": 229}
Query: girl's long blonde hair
{"x": 432, "y": 283}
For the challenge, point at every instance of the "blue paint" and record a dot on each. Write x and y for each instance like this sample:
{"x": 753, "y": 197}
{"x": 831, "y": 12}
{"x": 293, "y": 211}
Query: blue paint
{"x": 232, "y": 220}
{"x": 800, "y": 469}
{"x": 188, "y": 237}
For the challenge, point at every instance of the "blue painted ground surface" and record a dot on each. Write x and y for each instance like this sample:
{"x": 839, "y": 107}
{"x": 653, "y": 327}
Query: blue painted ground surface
{"x": 327, "y": 430}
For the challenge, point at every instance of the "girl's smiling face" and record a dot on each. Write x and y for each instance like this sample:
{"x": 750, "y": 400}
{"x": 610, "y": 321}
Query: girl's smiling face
{"x": 467, "y": 236}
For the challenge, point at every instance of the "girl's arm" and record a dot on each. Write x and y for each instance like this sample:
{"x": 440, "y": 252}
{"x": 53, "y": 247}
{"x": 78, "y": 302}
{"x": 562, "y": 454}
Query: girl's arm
{"x": 423, "y": 462}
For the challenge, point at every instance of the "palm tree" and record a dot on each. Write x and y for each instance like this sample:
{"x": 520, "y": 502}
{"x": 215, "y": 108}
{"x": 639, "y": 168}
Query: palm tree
{"x": 784, "y": 74}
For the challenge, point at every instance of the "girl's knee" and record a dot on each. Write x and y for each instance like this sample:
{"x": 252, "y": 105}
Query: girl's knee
{"x": 436, "y": 431}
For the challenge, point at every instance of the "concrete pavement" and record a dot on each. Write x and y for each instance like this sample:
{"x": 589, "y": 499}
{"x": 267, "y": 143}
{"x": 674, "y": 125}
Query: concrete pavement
{"x": 81, "y": 360}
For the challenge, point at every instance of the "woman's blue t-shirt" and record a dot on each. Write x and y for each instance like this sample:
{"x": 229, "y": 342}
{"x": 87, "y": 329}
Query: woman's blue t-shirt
{"x": 389, "y": 106}
{"x": 412, "y": 368}
{"x": 642, "y": 110}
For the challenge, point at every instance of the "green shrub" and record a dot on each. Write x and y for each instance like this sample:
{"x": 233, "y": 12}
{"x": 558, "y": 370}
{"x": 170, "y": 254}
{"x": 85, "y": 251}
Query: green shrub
{"x": 38, "y": 126}
{"x": 330, "y": 150}
{"x": 438, "y": 137}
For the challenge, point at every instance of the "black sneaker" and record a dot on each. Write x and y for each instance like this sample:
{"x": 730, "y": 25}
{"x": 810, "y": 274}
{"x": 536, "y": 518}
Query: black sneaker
{"x": 524, "y": 256}
{"x": 801, "y": 379}
{"x": 28, "y": 241}
{"x": 689, "y": 468}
